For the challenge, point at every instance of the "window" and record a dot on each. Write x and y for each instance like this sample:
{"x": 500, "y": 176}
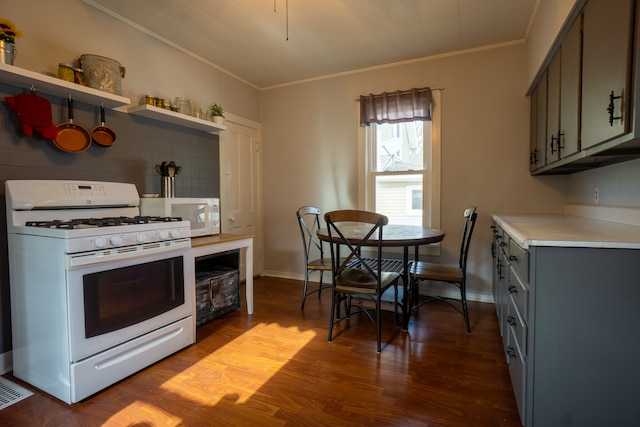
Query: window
{"x": 400, "y": 170}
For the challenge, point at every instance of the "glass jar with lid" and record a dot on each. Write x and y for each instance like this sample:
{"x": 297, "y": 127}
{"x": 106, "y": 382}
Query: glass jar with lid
{"x": 65, "y": 72}
{"x": 184, "y": 105}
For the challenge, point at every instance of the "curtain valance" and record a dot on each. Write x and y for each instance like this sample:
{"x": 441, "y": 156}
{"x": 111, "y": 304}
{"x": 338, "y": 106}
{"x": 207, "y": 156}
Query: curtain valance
{"x": 395, "y": 107}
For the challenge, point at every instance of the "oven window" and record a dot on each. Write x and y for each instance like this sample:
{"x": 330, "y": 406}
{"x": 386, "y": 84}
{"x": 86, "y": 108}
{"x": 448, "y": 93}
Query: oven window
{"x": 115, "y": 299}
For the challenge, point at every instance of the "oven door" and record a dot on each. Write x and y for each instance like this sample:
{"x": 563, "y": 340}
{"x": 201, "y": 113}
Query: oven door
{"x": 111, "y": 303}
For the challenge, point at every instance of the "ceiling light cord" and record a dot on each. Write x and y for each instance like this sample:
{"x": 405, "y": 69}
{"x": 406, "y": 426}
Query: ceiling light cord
{"x": 286, "y": 15}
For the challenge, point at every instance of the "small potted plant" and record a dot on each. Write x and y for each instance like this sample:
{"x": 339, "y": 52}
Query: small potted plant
{"x": 217, "y": 113}
{"x": 8, "y": 35}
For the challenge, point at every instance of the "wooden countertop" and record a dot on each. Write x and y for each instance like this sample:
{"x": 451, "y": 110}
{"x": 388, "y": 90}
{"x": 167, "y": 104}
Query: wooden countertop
{"x": 218, "y": 238}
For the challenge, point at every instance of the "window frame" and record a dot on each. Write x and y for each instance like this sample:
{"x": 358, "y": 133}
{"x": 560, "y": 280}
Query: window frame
{"x": 431, "y": 185}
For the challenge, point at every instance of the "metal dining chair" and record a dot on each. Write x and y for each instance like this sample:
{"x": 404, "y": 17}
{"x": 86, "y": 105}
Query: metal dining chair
{"x": 309, "y": 222}
{"x": 454, "y": 274}
{"x": 355, "y": 277}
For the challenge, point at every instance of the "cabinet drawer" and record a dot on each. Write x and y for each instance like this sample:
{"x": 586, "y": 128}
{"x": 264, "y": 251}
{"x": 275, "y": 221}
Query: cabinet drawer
{"x": 517, "y": 327}
{"x": 519, "y": 293}
{"x": 517, "y": 372}
{"x": 519, "y": 259}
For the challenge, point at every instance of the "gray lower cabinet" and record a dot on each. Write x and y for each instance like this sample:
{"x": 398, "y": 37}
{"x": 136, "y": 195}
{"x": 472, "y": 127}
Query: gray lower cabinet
{"x": 569, "y": 318}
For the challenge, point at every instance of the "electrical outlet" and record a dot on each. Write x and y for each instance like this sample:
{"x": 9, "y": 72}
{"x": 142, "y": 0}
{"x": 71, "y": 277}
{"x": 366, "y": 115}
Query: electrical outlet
{"x": 596, "y": 195}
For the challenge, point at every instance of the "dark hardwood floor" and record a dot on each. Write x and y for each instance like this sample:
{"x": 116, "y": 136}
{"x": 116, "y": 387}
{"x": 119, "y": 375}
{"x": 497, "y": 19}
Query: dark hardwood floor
{"x": 276, "y": 368}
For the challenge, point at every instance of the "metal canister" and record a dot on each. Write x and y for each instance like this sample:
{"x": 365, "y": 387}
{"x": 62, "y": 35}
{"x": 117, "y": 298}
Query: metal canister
{"x": 66, "y": 73}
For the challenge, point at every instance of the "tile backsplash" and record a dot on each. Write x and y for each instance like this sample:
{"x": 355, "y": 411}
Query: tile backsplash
{"x": 141, "y": 144}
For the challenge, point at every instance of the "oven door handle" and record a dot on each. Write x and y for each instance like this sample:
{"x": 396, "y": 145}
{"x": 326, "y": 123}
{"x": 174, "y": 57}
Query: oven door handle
{"x": 128, "y": 252}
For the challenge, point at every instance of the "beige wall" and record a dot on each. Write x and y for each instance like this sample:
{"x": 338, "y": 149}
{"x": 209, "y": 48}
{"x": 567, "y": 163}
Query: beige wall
{"x": 62, "y": 30}
{"x": 310, "y": 133}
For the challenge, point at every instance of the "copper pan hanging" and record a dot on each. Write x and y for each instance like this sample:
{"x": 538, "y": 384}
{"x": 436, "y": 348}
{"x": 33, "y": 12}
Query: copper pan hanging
{"x": 103, "y": 135}
{"x": 72, "y": 137}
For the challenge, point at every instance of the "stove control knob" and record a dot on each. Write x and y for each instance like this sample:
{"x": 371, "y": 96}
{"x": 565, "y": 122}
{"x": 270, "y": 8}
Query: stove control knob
{"x": 115, "y": 240}
{"x": 141, "y": 237}
{"x": 164, "y": 235}
{"x": 100, "y": 242}
{"x": 175, "y": 233}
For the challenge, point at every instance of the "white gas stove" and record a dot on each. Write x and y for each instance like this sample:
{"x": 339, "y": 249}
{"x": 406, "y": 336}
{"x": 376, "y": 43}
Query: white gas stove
{"x": 98, "y": 292}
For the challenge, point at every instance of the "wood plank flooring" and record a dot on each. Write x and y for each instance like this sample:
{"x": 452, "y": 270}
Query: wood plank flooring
{"x": 276, "y": 368}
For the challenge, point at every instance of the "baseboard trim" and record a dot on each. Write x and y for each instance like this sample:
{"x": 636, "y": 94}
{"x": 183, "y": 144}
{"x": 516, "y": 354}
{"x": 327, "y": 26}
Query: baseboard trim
{"x": 6, "y": 362}
{"x": 471, "y": 296}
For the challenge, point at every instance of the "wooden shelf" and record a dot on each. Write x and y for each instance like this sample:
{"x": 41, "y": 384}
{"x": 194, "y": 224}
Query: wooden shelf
{"x": 176, "y": 118}
{"x": 43, "y": 83}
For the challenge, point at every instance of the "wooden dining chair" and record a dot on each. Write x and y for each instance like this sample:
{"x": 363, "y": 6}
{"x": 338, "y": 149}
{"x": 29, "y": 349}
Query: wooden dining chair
{"x": 454, "y": 274}
{"x": 309, "y": 222}
{"x": 358, "y": 281}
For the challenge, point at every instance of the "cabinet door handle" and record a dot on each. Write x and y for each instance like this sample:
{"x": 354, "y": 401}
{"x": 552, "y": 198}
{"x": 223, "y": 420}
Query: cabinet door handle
{"x": 553, "y": 139}
{"x": 511, "y": 320}
{"x": 512, "y": 289}
{"x": 503, "y": 244}
{"x": 511, "y": 352}
{"x": 513, "y": 258}
{"x": 611, "y": 108}
{"x": 560, "y": 145}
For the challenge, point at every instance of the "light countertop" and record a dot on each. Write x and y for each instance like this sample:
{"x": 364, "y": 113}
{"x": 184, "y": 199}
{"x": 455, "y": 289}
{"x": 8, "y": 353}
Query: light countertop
{"x": 568, "y": 231}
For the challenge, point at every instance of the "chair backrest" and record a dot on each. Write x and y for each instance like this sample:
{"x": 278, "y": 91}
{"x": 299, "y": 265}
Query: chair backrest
{"x": 309, "y": 222}
{"x": 470, "y": 216}
{"x": 353, "y": 229}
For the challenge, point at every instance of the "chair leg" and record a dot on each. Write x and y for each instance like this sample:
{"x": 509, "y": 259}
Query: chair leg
{"x": 304, "y": 289}
{"x": 465, "y": 310}
{"x": 320, "y": 285}
{"x": 395, "y": 304}
{"x": 378, "y": 318}
{"x": 414, "y": 292}
{"x": 335, "y": 300}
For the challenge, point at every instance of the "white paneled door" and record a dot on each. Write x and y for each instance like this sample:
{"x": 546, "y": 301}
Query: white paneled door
{"x": 240, "y": 190}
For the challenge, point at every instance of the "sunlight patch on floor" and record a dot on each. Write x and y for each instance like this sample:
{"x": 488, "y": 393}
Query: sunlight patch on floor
{"x": 262, "y": 351}
{"x": 139, "y": 412}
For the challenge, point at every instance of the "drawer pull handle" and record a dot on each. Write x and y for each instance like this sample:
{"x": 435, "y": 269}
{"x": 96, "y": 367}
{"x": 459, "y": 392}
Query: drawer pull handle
{"x": 513, "y": 258}
{"x": 511, "y": 352}
{"x": 511, "y": 320}
{"x": 503, "y": 244}
{"x": 512, "y": 289}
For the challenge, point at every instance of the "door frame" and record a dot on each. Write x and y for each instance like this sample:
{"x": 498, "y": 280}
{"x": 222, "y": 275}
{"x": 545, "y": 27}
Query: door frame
{"x": 258, "y": 238}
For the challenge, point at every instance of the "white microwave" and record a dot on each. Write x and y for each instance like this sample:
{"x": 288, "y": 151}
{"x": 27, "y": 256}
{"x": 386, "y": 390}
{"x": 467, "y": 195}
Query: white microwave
{"x": 203, "y": 213}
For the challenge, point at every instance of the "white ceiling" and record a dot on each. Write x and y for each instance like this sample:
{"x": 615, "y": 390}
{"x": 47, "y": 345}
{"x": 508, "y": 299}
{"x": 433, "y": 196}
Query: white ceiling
{"x": 248, "y": 39}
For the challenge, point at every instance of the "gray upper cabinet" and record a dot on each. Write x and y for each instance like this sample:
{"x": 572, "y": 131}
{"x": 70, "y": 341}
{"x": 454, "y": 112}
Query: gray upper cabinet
{"x": 553, "y": 109}
{"x": 569, "y": 123}
{"x": 538, "y": 124}
{"x": 591, "y": 79}
{"x": 555, "y": 104}
{"x": 606, "y": 70}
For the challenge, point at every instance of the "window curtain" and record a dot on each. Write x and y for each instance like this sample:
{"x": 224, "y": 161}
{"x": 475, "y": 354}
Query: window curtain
{"x": 395, "y": 107}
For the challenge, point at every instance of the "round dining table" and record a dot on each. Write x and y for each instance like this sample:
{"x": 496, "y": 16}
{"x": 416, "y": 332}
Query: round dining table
{"x": 394, "y": 235}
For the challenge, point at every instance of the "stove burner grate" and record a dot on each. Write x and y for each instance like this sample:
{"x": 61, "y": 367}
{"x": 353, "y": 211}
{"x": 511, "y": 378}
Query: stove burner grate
{"x": 101, "y": 222}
